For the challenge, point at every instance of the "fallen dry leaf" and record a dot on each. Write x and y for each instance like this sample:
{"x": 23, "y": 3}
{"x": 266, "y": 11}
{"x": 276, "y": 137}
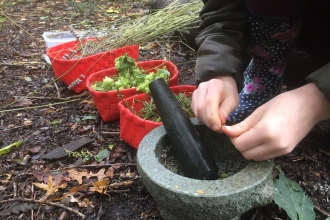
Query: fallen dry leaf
{"x": 85, "y": 203}
{"x": 74, "y": 174}
{"x": 124, "y": 184}
{"x": 50, "y": 187}
{"x": 58, "y": 178}
{"x": 73, "y": 191}
{"x": 100, "y": 186}
{"x": 34, "y": 149}
{"x": 87, "y": 102}
{"x": 7, "y": 180}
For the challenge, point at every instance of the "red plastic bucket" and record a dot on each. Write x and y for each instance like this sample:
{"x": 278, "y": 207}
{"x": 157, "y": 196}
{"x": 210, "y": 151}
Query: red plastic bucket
{"x": 107, "y": 102}
{"x": 74, "y": 73}
{"x": 132, "y": 127}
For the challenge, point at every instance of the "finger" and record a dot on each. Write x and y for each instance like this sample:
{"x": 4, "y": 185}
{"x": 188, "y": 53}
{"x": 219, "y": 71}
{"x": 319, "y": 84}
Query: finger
{"x": 245, "y": 125}
{"x": 212, "y": 101}
{"x": 206, "y": 106}
{"x": 193, "y": 103}
{"x": 262, "y": 152}
{"x": 227, "y": 106}
{"x": 248, "y": 140}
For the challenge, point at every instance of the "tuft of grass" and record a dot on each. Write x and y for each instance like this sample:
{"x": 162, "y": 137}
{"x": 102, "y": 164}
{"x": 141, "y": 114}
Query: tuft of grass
{"x": 147, "y": 28}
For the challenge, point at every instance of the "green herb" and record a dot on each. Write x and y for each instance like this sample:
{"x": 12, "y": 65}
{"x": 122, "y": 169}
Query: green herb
{"x": 290, "y": 196}
{"x": 130, "y": 76}
{"x": 84, "y": 154}
{"x": 149, "y": 110}
{"x": 58, "y": 122}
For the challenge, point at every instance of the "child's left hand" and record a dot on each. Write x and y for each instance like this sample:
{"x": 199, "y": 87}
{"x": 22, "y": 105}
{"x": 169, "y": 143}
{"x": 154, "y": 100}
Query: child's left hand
{"x": 275, "y": 128}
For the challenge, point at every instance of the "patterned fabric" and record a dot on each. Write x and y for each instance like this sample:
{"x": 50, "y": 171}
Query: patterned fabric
{"x": 272, "y": 40}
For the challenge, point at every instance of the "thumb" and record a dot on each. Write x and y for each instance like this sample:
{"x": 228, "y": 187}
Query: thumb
{"x": 243, "y": 126}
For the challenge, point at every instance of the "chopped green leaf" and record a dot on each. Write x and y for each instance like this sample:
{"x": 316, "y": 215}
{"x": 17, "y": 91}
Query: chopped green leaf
{"x": 130, "y": 76}
{"x": 101, "y": 155}
{"x": 88, "y": 117}
{"x": 58, "y": 122}
{"x": 111, "y": 147}
{"x": 224, "y": 175}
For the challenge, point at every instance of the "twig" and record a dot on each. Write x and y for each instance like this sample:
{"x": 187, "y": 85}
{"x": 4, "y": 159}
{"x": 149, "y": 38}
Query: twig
{"x": 25, "y": 55}
{"x": 13, "y": 128}
{"x": 118, "y": 191}
{"x": 255, "y": 214}
{"x": 110, "y": 132}
{"x": 103, "y": 165}
{"x": 59, "y": 98}
{"x": 39, "y": 106}
{"x": 321, "y": 211}
{"x": 20, "y": 63}
{"x": 44, "y": 203}
{"x": 58, "y": 91}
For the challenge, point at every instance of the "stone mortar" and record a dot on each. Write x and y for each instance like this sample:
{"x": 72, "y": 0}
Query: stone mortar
{"x": 182, "y": 198}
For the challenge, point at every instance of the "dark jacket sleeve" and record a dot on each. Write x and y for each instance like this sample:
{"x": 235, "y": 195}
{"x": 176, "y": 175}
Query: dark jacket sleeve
{"x": 222, "y": 41}
{"x": 321, "y": 78}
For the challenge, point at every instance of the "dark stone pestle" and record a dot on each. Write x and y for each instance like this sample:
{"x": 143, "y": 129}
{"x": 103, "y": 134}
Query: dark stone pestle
{"x": 188, "y": 148}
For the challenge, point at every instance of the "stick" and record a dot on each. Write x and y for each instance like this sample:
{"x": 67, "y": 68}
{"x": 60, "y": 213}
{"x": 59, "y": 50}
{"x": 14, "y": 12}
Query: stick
{"x": 45, "y": 203}
{"x": 20, "y": 63}
{"x": 59, "y": 98}
{"x": 110, "y": 132}
{"x": 323, "y": 212}
{"x": 58, "y": 91}
{"x": 103, "y": 165}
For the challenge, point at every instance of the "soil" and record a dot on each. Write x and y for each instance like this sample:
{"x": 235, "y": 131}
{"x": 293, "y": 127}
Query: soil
{"x": 49, "y": 117}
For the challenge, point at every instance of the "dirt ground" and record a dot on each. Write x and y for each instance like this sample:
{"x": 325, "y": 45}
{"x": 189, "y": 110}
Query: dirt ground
{"x": 52, "y": 116}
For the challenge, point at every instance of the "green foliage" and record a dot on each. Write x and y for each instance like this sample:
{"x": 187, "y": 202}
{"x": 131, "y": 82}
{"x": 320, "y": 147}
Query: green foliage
{"x": 149, "y": 110}
{"x": 101, "y": 155}
{"x": 290, "y": 196}
{"x": 57, "y": 122}
{"x": 86, "y": 155}
{"x": 8, "y": 148}
{"x": 129, "y": 76}
{"x": 88, "y": 117}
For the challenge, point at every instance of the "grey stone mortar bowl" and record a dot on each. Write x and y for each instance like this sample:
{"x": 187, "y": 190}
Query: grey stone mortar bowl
{"x": 182, "y": 198}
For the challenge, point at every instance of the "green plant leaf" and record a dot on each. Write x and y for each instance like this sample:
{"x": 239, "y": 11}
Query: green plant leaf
{"x": 290, "y": 196}
{"x": 101, "y": 155}
{"x": 7, "y": 149}
{"x": 58, "y": 122}
{"x": 88, "y": 117}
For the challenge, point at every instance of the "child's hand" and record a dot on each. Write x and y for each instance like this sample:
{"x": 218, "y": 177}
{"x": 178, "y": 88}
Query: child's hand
{"x": 275, "y": 128}
{"x": 214, "y": 100}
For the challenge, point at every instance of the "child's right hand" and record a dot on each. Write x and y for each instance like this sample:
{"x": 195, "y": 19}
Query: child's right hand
{"x": 213, "y": 100}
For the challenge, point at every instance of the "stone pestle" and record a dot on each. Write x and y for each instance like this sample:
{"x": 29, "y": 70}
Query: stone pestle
{"x": 187, "y": 146}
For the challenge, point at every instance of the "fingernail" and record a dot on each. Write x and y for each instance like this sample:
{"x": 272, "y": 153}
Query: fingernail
{"x": 215, "y": 127}
{"x": 226, "y": 127}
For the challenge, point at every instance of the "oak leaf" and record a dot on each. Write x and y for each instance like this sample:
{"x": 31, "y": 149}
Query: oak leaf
{"x": 74, "y": 174}
{"x": 100, "y": 186}
{"x": 50, "y": 188}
